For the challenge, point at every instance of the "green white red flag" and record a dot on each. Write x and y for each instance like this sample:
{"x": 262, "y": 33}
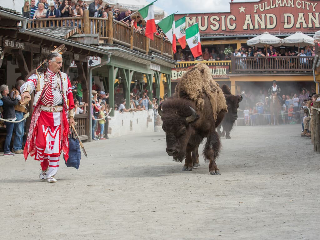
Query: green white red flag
{"x": 193, "y": 40}
{"x": 168, "y": 26}
{"x": 180, "y": 31}
{"x": 147, "y": 13}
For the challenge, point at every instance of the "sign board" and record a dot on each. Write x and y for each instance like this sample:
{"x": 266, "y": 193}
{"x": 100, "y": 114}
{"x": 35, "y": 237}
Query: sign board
{"x": 273, "y": 16}
{"x": 155, "y": 67}
{"x": 13, "y": 44}
{"x": 217, "y": 72}
{"x": 94, "y": 61}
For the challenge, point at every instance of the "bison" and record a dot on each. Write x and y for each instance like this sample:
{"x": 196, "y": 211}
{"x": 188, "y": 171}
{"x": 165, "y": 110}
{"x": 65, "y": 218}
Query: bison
{"x": 192, "y": 115}
{"x": 232, "y": 115}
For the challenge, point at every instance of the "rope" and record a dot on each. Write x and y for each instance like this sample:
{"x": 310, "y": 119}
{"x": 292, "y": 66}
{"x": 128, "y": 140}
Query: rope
{"x": 13, "y": 121}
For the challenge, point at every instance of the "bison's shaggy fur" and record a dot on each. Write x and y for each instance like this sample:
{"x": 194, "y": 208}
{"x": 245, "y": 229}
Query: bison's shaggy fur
{"x": 198, "y": 82}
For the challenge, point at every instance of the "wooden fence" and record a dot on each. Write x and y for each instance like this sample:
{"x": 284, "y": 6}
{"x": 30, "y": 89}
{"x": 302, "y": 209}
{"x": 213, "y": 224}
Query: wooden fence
{"x": 282, "y": 64}
{"x": 82, "y": 126}
{"x": 109, "y": 30}
{"x": 188, "y": 64}
{"x": 315, "y": 126}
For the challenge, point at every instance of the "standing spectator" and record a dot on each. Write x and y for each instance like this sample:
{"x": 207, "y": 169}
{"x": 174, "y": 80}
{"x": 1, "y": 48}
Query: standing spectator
{"x": 45, "y": 4}
{"x": 125, "y": 17}
{"x": 288, "y": 102}
{"x": 78, "y": 107}
{"x": 33, "y": 8}
{"x": 102, "y": 122}
{"x": 65, "y": 9}
{"x": 20, "y": 110}
{"x": 236, "y": 53}
{"x": 145, "y": 101}
{"x": 95, "y": 9}
{"x": 26, "y": 9}
{"x": 250, "y": 53}
{"x": 179, "y": 56}
{"x": 57, "y": 4}
{"x": 8, "y": 114}
{"x": 290, "y": 113}
{"x": 52, "y": 12}
{"x": 78, "y": 12}
{"x": 222, "y": 56}
{"x": 206, "y": 54}
{"x": 303, "y": 60}
{"x": 295, "y": 102}
{"x": 41, "y": 12}
{"x": 122, "y": 107}
{"x": 214, "y": 55}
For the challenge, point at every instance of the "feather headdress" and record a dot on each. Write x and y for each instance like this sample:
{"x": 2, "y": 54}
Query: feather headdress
{"x": 61, "y": 49}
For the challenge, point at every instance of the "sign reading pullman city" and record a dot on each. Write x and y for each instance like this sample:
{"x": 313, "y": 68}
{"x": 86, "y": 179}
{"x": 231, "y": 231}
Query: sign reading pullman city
{"x": 259, "y": 17}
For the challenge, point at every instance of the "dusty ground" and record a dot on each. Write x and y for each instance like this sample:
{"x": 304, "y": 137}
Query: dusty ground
{"x": 130, "y": 189}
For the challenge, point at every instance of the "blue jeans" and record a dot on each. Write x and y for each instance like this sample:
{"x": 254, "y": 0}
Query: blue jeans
{"x": 94, "y": 124}
{"x": 101, "y": 129}
{"x": 9, "y": 127}
{"x": 19, "y": 131}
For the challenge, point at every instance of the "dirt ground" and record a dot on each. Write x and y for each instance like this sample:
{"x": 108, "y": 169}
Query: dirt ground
{"x": 128, "y": 188}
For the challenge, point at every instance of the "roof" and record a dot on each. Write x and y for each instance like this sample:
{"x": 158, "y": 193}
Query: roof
{"x": 50, "y": 37}
{"x": 62, "y": 32}
{"x": 12, "y": 14}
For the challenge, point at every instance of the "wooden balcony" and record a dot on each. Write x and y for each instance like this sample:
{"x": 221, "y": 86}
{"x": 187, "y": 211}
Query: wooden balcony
{"x": 272, "y": 65}
{"x": 109, "y": 31}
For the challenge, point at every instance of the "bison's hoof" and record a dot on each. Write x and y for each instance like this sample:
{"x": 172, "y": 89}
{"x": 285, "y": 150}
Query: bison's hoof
{"x": 196, "y": 165}
{"x": 186, "y": 168}
{"x": 215, "y": 172}
{"x": 228, "y": 137}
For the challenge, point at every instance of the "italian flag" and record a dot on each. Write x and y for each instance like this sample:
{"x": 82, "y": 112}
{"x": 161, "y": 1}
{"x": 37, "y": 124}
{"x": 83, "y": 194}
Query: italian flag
{"x": 193, "y": 40}
{"x": 168, "y": 25}
{"x": 147, "y": 13}
{"x": 180, "y": 31}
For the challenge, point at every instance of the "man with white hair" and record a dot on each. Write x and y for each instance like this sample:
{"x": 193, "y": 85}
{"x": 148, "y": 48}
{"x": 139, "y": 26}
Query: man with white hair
{"x": 53, "y": 107}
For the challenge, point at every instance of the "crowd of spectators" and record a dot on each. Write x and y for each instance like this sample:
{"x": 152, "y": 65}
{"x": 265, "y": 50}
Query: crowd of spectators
{"x": 216, "y": 54}
{"x": 75, "y": 8}
{"x": 255, "y": 107}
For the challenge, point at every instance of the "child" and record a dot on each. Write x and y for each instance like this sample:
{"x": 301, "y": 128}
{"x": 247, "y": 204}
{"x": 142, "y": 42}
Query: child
{"x": 290, "y": 113}
{"x": 102, "y": 121}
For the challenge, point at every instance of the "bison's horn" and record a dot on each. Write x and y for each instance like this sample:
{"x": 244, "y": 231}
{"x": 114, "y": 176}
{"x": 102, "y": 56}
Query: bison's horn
{"x": 194, "y": 116}
{"x": 160, "y": 110}
{"x": 240, "y": 98}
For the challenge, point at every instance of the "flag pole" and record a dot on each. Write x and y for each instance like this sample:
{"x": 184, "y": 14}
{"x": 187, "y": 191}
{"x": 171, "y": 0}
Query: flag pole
{"x": 138, "y": 10}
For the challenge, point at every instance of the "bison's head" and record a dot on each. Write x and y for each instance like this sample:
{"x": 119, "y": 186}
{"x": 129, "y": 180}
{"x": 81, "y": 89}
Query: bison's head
{"x": 177, "y": 116}
{"x": 233, "y": 105}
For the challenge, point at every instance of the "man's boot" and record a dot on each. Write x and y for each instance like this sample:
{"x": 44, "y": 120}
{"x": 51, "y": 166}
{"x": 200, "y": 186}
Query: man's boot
{"x": 303, "y": 134}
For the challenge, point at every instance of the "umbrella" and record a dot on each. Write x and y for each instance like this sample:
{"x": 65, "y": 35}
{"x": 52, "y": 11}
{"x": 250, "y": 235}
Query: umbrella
{"x": 298, "y": 39}
{"x": 264, "y": 40}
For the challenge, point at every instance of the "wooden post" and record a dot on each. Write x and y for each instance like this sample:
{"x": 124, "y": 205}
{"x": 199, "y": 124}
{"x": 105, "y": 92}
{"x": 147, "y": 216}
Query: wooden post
{"x": 86, "y": 21}
{"x": 131, "y": 37}
{"x": 110, "y": 27}
{"x": 162, "y": 43}
{"x": 233, "y": 64}
{"x": 147, "y": 45}
{"x": 316, "y": 115}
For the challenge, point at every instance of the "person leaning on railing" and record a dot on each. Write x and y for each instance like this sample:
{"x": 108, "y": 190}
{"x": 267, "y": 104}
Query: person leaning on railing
{"x": 52, "y": 12}
{"x": 41, "y": 12}
{"x": 78, "y": 12}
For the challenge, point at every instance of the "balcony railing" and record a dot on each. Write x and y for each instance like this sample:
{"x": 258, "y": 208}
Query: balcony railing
{"x": 188, "y": 64}
{"x": 110, "y": 30}
{"x": 271, "y": 65}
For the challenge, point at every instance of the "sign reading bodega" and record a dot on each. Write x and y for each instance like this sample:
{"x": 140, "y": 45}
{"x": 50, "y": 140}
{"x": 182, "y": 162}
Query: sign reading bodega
{"x": 245, "y": 17}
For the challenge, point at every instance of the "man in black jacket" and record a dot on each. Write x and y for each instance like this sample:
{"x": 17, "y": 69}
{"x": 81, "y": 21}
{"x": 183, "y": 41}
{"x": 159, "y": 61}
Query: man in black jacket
{"x": 8, "y": 114}
{"x": 95, "y": 10}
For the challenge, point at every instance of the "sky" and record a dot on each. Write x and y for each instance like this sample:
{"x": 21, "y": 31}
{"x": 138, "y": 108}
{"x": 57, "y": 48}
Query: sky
{"x": 196, "y": 6}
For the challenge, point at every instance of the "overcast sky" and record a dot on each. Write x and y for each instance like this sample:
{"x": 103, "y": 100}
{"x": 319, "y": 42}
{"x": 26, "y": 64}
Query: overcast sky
{"x": 196, "y": 6}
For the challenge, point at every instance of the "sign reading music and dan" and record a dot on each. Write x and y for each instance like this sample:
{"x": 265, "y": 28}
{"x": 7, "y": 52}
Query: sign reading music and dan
{"x": 260, "y": 16}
